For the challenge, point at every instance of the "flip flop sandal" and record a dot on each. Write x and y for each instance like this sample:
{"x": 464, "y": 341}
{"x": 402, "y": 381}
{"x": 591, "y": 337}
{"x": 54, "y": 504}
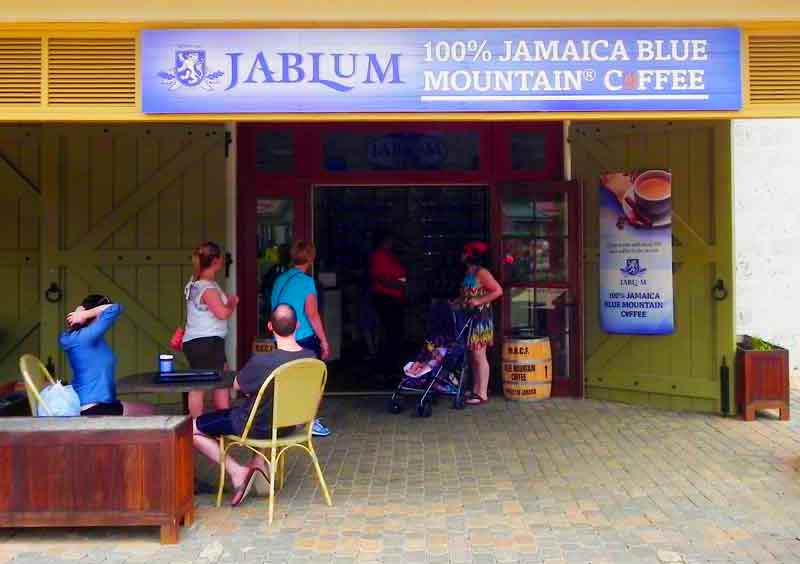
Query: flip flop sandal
{"x": 476, "y": 400}
{"x": 241, "y": 492}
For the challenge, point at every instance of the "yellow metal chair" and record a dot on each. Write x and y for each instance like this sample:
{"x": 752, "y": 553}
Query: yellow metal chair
{"x": 298, "y": 389}
{"x": 36, "y": 378}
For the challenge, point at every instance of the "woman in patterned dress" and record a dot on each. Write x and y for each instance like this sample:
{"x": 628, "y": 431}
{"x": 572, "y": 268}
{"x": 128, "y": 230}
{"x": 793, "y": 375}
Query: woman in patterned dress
{"x": 479, "y": 290}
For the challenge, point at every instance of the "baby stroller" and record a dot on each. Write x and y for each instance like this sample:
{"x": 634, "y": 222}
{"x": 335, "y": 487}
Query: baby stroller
{"x": 441, "y": 366}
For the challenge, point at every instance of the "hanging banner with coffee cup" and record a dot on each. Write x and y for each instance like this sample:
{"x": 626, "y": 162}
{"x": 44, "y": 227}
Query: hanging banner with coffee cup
{"x": 636, "y": 253}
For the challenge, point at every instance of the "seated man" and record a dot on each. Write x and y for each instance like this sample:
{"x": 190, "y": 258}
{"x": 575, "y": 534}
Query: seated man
{"x": 283, "y": 323}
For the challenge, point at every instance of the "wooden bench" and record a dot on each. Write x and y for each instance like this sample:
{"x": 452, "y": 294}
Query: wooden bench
{"x": 97, "y": 471}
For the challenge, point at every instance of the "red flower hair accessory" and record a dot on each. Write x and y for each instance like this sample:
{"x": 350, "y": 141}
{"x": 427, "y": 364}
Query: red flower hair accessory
{"x": 476, "y": 248}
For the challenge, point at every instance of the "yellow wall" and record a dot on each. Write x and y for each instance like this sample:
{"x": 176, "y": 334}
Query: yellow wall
{"x": 392, "y": 12}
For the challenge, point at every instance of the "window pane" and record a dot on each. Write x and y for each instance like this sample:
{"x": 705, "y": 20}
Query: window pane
{"x": 275, "y": 151}
{"x": 543, "y": 312}
{"x": 274, "y": 228}
{"x": 528, "y": 151}
{"x": 399, "y": 150}
{"x": 530, "y": 213}
{"x": 551, "y": 260}
{"x": 551, "y": 214}
{"x": 529, "y": 260}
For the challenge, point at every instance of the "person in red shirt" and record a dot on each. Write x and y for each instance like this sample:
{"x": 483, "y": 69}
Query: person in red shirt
{"x": 388, "y": 280}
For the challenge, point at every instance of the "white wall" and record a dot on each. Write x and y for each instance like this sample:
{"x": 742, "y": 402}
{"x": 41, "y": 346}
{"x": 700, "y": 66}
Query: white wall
{"x": 766, "y": 167}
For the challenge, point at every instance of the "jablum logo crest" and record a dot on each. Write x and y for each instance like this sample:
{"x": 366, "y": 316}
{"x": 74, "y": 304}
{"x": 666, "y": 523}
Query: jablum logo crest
{"x": 190, "y": 70}
{"x": 633, "y": 268}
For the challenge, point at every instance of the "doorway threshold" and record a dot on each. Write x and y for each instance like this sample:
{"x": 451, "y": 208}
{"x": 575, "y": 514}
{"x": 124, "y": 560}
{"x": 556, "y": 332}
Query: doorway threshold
{"x": 360, "y": 393}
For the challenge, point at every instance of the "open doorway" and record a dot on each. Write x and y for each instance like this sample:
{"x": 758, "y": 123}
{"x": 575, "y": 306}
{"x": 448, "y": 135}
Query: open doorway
{"x": 437, "y": 185}
{"x": 429, "y": 225}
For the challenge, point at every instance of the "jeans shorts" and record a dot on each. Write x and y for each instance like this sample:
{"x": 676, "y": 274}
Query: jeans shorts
{"x": 217, "y": 423}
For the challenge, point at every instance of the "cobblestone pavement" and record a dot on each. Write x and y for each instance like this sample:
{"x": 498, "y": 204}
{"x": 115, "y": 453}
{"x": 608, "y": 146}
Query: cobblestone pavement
{"x": 556, "y": 481}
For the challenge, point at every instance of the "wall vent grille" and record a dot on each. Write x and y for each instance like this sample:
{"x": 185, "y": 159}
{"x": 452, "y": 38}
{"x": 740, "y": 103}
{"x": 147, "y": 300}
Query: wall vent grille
{"x": 774, "y": 69}
{"x": 91, "y": 71}
{"x": 20, "y": 70}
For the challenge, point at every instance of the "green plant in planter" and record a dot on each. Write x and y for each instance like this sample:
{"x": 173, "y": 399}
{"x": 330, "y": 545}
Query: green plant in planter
{"x": 761, "y": 345}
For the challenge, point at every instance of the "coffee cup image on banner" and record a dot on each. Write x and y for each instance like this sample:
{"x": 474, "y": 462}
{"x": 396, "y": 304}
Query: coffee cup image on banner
{"x": 645, "y": 197}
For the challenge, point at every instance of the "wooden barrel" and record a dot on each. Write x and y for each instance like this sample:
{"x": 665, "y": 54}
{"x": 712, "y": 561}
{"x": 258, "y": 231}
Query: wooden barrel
{"x": 527, "y": 369}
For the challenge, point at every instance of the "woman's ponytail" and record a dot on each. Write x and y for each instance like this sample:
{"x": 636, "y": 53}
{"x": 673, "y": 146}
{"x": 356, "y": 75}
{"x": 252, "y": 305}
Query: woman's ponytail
{"x": 203, "y": 256}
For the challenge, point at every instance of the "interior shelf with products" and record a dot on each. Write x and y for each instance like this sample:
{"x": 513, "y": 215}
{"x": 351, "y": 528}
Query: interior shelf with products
{"x": 430, "y": 226}
{"x": 274, "y": 227}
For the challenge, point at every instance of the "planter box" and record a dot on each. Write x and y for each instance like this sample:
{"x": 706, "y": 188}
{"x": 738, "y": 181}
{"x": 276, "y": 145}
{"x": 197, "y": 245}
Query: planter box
{"x": 762, "y": 380}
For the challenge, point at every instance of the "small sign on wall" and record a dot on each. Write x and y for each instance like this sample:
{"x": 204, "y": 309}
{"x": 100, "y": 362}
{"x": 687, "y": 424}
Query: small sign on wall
{"x": 636, "y": 291}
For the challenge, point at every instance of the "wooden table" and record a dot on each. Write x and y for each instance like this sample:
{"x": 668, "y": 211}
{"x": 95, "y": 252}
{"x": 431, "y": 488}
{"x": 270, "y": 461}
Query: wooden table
{"x": 145, "y": 383}
{"x": 97, "y": 471}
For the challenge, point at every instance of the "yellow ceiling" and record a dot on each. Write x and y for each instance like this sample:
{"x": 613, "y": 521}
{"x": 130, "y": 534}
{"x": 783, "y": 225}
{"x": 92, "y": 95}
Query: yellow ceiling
{"x": 406, "y": 12}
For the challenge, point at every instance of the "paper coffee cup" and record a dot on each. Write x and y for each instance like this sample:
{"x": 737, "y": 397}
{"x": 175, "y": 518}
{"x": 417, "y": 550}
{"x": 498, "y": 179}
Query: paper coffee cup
{"x": 166, "y": 363}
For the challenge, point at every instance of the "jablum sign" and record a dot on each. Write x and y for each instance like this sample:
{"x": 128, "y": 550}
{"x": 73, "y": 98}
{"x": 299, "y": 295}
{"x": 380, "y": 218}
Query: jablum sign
{"x": 423, "y": 70}
{"x": 348, "y": 69}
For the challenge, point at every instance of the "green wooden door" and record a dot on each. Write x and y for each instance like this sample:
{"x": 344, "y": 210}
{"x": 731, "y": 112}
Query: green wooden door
{"x": 19, "y": 245}
{"x": 679, "y": 371}
{"x": 124, "y": 206}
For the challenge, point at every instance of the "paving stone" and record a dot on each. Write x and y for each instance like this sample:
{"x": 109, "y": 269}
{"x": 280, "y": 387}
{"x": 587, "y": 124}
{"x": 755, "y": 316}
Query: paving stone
{"x": 669, "y": 557}
{"x": 556, "y": 481}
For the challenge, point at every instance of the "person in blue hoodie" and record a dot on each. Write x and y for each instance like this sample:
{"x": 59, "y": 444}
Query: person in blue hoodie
{"x": 92, "y": 360}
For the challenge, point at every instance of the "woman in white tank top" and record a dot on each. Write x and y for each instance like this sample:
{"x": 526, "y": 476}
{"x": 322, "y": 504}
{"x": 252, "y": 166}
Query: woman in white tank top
{"x": 207, "y": 311}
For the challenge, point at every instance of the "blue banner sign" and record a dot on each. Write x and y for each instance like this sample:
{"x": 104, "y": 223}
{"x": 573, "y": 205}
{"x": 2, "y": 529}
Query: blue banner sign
{"x": 636, "y": 291}
{"x": 434, "y": 70}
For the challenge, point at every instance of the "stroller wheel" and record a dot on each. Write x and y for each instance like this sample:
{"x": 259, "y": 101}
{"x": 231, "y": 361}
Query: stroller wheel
{"x": 458, "y": 402}
{"x": 395, "y": 406}
{"x": 424, "y": 409}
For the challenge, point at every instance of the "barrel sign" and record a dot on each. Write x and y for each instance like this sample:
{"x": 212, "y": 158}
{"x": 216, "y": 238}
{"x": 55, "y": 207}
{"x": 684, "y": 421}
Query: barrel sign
{"x": 527, "y": 369}
{"x": 263, "y": 346}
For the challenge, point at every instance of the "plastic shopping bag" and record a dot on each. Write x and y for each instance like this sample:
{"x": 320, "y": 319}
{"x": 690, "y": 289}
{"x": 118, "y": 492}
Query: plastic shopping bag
{"x": 61, "y": 401}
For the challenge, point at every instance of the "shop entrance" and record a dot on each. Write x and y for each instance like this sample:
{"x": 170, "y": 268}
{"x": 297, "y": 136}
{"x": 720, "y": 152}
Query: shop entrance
{"x": 433, "y": 186}
{"x": 428, "y": 225}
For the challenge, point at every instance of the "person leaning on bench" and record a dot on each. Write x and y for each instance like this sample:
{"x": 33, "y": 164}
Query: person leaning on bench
{"x": 208, "y": 426}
